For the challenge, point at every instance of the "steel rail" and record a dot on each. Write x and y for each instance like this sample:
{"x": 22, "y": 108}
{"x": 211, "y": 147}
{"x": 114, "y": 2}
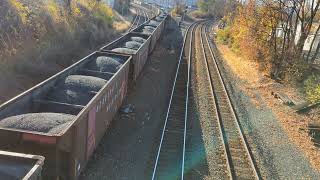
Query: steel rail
{"x": 187, "y": 101}
{"x": 190, "y": 29}
{"x": 135, "y": 20}
{"x": 139, "y": 17}
{"x": 220, "y": 78}
{"x": 215, "y": 105}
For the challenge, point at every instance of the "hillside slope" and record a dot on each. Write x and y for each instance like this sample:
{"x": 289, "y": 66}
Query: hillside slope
{"x": 38, "y": 38}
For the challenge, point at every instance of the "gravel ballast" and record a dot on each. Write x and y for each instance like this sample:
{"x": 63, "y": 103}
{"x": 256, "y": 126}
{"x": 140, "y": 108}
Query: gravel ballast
{"x": 276, "y": 156}
{"x": 138, "y": 39}
{"x": 133, "y": 45}
{"x": 51, "y": 123}
{"x": 106, "y": 64}
{"x": 124, "y": 50}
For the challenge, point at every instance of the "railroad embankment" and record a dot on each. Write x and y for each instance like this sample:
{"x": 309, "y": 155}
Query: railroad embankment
{"x": 40, "y": 38}
{"x": 279, "y": 132}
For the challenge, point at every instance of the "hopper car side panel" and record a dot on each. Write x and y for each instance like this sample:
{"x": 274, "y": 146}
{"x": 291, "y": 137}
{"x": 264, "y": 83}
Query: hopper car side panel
{"x": 66, "y": 153}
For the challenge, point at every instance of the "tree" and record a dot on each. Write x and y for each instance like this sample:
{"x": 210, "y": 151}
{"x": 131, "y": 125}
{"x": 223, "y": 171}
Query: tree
{"x": 68, "y": 5}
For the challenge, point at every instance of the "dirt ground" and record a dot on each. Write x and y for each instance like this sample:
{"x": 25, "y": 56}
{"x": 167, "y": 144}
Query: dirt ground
{"x": 128, "y": 149}
{"x": 281, "y": 146}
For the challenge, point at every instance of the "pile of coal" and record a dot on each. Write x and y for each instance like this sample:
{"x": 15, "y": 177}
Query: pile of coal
{"x": 70, "y": 97}
{"x": 146, "y": 31}
{"x": 106, "y": 64}
{"x": 151, "y": 28}
{"x": 153, "y": 23}
{"x": 133, "y": 45}
{"x": 76, "y": 89}
{"x": 159, "y": 18}
{"x": 51, "y": 123}
{"x": 83, "y": 83}
{"x": 138, "y": 39}
{"x": 124, "y": 50}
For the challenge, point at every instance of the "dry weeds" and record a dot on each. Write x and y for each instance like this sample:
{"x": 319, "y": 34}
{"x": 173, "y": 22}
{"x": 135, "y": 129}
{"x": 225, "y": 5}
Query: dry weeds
{"x": 294, "y": 124}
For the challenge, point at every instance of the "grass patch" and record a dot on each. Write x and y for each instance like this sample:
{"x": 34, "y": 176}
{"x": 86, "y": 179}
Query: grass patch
{"x": 312, "y": 88}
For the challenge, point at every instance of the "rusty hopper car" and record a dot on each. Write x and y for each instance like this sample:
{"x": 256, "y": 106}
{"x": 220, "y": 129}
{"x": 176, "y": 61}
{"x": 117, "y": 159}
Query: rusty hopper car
{"x": 155, "y": 34}
{"x": 161, "y": 18}
{"x": 67, "y": 150}
{"x": 153, "y": 41}
{"x": 20, "y": 166}
{"x": 139, "y": 57}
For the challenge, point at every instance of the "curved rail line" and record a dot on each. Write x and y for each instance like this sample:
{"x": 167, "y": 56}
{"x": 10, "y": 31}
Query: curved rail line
{"x": 170, "y": 158}
{"x": 140, "y": 13}
{"x": 135, "y": 21}
{"x": 240, "y": 163}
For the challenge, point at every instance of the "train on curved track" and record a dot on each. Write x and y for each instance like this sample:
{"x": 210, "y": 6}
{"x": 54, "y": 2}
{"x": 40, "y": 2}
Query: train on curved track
{"x": 64, "y": 117}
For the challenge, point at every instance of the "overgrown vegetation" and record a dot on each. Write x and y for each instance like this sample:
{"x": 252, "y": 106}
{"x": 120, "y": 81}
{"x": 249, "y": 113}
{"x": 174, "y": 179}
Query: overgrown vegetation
{"x": 38, "y": 38}
{"x": 178, "y": 9}
{"x": 28, "y": 25}
{"x": 312, "y": 88}
{"x": 209, "y": 8}
{"x": 274, "y": 34}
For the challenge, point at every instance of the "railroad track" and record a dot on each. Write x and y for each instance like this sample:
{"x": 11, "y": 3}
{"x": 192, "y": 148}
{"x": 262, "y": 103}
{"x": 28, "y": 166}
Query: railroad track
{"x": 140, "y": 13}
{"x": 136, "y": 21}
{"x": 233, "y": 159}
{"x": 170, "y": 157}
{"x": 235, "y": 152}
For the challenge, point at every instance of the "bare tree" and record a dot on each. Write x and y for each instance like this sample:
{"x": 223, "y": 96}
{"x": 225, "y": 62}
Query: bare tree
{"x": 295, "y": 19}
{"x": 68, "y": 5}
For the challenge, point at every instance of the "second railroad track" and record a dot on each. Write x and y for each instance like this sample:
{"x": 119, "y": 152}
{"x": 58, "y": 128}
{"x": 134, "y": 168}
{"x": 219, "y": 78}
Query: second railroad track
{"x": 234, "y": 158}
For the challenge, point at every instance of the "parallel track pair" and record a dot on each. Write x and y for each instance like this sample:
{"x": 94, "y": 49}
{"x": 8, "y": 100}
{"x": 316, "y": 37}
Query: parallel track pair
{"x": 138, "y": 19}
{"x": 235, "y": 155}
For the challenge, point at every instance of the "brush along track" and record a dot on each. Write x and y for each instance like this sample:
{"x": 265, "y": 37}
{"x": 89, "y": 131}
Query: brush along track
{"x": 169, "y": 162}
{"x": 239, "y": 164}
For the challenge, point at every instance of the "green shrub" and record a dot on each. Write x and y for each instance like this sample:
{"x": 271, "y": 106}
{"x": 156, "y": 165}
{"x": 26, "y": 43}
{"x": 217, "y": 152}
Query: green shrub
{"x": 201, "y": 14}
{"x": 224, "y": 35}
{"x": 103, "y": 12}
{"x": 312, "y": 88}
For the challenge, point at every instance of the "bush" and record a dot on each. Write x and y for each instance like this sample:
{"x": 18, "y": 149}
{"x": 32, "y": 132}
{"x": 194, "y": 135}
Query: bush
{"x": 201, "y": 14}
{"x": 224, "y": 35}
{"x": 312, "y": 88}
{"x": 103, "y": 12}
{"x": 178, "y": 10}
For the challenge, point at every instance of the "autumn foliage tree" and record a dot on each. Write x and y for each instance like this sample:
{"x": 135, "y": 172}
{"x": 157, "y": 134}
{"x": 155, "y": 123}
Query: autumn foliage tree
{"x": 274, "y": 32}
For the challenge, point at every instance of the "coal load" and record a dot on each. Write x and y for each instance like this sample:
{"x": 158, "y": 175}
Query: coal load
{"x": 70, "y": 97}
{"x": 153, "y": 23}
{"x": 124, "y": 50}
{"x": 159, "y": 18}
{"x": 76, "y": 89}
{"x": 138, "y": 39}
{"x": 106, "y": 64}
{"x": 146, "y": 31}
{"x": 149, "y": 28}
{"x": 83, "y": 83}
{"x": 50, "y": 123}
{"x": 133, "y": 45}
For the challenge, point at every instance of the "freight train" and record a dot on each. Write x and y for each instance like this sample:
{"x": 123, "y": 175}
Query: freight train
{"x": 64, "y": 117}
